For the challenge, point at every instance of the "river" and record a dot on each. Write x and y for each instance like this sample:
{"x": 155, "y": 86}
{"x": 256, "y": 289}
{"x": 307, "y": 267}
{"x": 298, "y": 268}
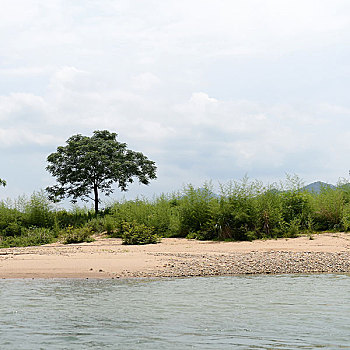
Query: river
{"x": 236, "y": 312}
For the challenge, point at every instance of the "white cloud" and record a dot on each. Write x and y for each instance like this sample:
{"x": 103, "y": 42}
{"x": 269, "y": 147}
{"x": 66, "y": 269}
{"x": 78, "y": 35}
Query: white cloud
{"x": 18, "y": 106}
{"x": 133, "y": 32}
{"x": 145, "y": 81}
{"x": 16, "y": 137}
{"x": 246, "y": 133}
{"x": 208, "y": 89}
{"x": 26, "y": 71}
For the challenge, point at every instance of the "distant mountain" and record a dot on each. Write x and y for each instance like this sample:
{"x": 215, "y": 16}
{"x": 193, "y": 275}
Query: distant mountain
{"x": 345, "y": 187}
{"x": 317, "y": 186}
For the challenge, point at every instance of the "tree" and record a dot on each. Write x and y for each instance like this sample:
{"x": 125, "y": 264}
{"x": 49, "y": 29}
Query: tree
{"x": 2, "y": 182}
{"x": 89, "y": 165}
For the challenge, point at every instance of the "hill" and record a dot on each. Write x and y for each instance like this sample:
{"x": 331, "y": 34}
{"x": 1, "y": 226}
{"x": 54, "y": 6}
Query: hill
{"x": 317, "y": 186}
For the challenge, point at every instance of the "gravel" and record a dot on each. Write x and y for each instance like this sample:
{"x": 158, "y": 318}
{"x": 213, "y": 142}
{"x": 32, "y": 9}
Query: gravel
{"x": 273, "y": 262}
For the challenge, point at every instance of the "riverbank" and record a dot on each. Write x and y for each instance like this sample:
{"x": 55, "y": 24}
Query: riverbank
{"x": 108, "y": 258}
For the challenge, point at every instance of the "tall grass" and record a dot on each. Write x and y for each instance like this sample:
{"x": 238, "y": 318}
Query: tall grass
{"x": 241, "y": 210}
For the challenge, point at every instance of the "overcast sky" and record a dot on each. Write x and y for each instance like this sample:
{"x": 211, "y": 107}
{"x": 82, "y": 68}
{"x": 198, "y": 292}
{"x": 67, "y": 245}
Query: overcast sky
{"x": 207, "y": 89}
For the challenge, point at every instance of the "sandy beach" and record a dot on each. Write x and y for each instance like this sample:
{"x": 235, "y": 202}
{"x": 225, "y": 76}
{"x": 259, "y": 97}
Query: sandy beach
{"x": 108, "y": 258}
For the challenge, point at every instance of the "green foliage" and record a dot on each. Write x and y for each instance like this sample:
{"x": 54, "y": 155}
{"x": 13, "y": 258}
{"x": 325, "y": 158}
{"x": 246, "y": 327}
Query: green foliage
{"x": 134, "y": 233}
{"x": 240, "y": 212}
{"x": 328, "y": 208}
{"x": 294, "y": 228}
{"x": 109, "y": 225}
{"x": 13, "y": 218}
{"x": 89, "y": 165}
{"x": 198, "y": 212}
{"x": 29, "y": 237}
{"x": 244, "y": 210}
{"x": 159, "y": 213}
{"x": 295, "y": 204}
{"x": 76, "y": 235}
{"x": 97, "y": 225}
{"x": 345, "y": 221}
{"x": 39, "y": 211}
{"x": 2, "y": 182}
{"x": 76, "y": 217}
{"x": 127, "y": 211}
{"x": 13, "y": 229}
{"x": 10, "y": 219}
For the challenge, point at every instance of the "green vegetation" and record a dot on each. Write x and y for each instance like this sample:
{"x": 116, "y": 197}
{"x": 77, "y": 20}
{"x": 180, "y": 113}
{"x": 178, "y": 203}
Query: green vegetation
{"x": 89, "y": 165}
{"x": 242, "y": 210}
{"x": 134, "y": 233}
{"x": 76, "y": 235}
{"x": 2, "y": 182}
{"x": 29, "y": 237}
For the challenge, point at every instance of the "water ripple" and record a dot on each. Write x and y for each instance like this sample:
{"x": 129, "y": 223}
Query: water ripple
{"x": 254, "y": 312}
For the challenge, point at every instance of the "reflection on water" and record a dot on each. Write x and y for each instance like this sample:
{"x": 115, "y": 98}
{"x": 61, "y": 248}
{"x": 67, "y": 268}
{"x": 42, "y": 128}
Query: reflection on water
{"x": 255, "y": 312}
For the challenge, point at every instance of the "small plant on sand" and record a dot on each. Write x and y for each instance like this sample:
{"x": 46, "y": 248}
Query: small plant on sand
{"x": 134, "y": 233}
{"x": 76, "y": 235}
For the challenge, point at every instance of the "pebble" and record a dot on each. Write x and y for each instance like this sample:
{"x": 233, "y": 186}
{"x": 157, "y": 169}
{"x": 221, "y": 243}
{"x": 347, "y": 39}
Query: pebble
{"x": 272, "y": 262}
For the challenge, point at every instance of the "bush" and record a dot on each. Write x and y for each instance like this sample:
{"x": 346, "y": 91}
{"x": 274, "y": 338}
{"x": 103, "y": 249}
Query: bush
{"x": 328, "y": 209}
{"x": 39, "y": 211}
{"x": 30, "y": 237}
{"x": 12, "y": 229}
{"x": 128, "y": 211}
{"x": 244, "y": 210}
{"x": 69, "y": 218}
{"x": 97, "y": 225}
{"x": 76, "y": 235}
{"x": 134, "y": 233}
{"x": 11, "y": 220}
{"x": 159, "y": 213}
{"x": 109, "y": 225}
{"x": 346, "y": 218}
{"x": 164, "y": 216}
{"x": 239, "y": 214}
{"x": 295, "y": 204}
{"x": 198, "y": 211}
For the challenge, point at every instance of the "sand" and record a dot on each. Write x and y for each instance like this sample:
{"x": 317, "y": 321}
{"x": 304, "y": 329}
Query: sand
{"x": 108, "y": 258}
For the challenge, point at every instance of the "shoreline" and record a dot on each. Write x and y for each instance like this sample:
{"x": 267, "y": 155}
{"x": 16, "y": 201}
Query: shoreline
{"x": 178, "y": 257}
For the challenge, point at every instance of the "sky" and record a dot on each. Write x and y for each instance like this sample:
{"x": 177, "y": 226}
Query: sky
{"x": 209, "y": 90}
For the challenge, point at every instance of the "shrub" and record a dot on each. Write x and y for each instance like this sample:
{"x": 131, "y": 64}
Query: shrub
{"x": 29, "y": 237}
{"x": 39, "y": 211}
{"x": 109, "y": 225}
{"x": 198, "y": 209}
{"x": 11, "y": 220}
{"x": 12, "y": 229}
{"x": 97, "y": 225}
{"x": 134, "y": 233}
{"x": 346, "y": 218}
{"x": 127, "y": 211}
{"x": 239, "y": 210}
{"x": 76, "y": 235}
{"x": 328, "y": 209}
{"x": 294, "y": 228}
{"x": 295, "y": 204}
{"x": 68, "y": 218}
{"x": 158, "y": 213}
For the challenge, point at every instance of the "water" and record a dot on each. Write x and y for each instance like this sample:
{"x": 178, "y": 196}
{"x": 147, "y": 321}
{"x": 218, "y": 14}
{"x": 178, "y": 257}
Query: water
{"x": 256, "y": 312}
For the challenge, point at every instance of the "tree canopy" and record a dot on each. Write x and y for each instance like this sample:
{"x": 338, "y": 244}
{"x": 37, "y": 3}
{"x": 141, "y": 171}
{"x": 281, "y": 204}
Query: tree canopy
{"x": 89, "y": 165}
{"x": 2, "y": 182}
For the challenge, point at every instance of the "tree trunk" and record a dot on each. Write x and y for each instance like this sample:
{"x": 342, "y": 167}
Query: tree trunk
{"x": 96, "y": 199}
